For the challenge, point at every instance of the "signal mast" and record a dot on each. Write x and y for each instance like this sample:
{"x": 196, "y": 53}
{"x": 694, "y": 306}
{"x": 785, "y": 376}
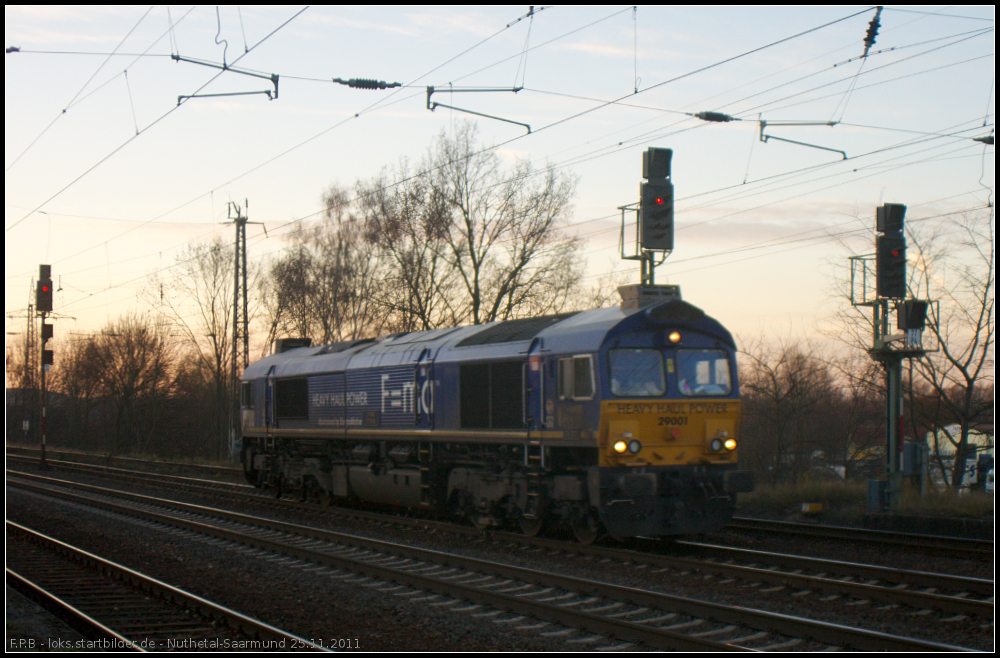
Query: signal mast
{"x": 654, "y": 239}
{"x": 889, "y": 347}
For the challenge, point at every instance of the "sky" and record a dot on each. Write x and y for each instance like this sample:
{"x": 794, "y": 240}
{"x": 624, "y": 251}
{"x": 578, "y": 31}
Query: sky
{"x": 110, "y": 175}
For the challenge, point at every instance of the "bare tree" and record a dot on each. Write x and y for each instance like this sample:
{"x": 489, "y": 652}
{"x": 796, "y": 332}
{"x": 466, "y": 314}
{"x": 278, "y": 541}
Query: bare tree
{"x": 407, "y": 218}
{"x": 135, "y": 356}
{"x": 503, "y": 237}
{"x": 784, "y": 386}
{"x": 855, "y": 416}
{"x": 285, "y": 294}
{"x": 326, "y": 285}
{"x": 602, "y": 293}
{"x": 198, "y": 300}
{"x": 22, "y": 386}
{"x": 77, "y": 376}
{"x": 955, "y": 267}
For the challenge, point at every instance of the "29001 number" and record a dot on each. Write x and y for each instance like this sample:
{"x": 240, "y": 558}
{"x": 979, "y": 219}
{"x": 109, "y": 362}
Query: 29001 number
{"x": 673, "y": 420}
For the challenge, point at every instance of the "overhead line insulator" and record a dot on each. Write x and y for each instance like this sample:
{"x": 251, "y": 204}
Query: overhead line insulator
{"x": 367, "y": 83}
{"x": 872, "y": 31}
{"x": 717, "y": 117}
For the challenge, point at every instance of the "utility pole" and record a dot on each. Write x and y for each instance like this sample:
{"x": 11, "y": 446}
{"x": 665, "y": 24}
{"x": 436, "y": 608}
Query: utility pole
{"x": 241, "y": 333}
{"x": 27, "y": 398}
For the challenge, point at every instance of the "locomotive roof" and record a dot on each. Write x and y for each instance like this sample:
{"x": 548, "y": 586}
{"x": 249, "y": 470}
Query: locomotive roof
{"x": 570, "y": 333}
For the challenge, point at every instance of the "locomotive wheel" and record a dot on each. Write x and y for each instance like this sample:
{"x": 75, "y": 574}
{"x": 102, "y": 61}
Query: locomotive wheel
{"x": 530, "y": 526}
{"x": 587, "y": 529}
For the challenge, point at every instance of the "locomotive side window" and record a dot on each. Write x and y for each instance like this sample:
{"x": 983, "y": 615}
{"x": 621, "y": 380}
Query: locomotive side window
{"x": 576, "y": 378}
{"x": 703, "y": 372}
{"x": 246, "y": 394}
{"x": 290, "y": 398}
{"x": 637, "y": 372}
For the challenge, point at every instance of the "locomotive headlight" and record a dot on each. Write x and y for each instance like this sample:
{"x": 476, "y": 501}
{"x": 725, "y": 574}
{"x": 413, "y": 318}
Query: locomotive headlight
{"x": 730, "y": 444}
{"x": 620, "y": 447}
{"x": 674, "y": 336}
{"x": 716, "y": 445}
{"x": 634, "y": 446}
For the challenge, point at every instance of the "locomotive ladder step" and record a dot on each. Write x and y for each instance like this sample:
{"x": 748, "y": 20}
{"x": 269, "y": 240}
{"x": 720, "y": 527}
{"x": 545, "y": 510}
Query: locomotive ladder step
{"x": 533, "y": 504}
{"x": 423, "y": 458}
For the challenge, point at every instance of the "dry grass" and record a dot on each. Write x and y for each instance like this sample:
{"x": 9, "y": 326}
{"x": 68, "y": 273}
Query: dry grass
{"x": 832, "y": 494}
{"x": 974, "y": 504}
{"x": 852, "y": 497}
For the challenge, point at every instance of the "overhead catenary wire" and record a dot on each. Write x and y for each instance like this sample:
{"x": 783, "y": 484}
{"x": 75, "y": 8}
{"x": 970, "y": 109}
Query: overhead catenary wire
{"x": 381, "y": 101}
{"x": 277, "y": 231}
{"x": 154, "y": 122}
{"x": 745, "y": 210}
{"x": 704, "y": 101}
{"x": 674, "y": 79}
{"x": 356, "y": 115}
{"x": 77, "y": 99}
{"x": 320, "y": 211}
{"x": 806, "y": 169}
{"x": 488, "y": 38}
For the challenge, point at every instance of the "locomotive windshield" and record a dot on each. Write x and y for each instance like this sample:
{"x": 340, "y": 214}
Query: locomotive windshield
{"x": 703, "y": 372}
{"x": 637, "y": 372}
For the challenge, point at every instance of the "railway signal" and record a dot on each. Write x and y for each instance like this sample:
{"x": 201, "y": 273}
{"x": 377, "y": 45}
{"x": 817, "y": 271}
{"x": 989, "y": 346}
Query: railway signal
{"x": 656, "y": 205}
{"x": 654, "y": 228}
{"x": 43, "y": 292}
{"x": 890, "y": 265}
{"x": 890, "y": 251}
{"x": 43, "y": 306}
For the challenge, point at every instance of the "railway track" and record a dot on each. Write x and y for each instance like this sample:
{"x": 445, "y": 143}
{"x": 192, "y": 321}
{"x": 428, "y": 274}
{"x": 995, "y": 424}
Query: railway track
{"x": 31, "y": 455}
{"x": 118, "y": 608}
{"x": 842, "y": 582}
{"x": 961, "y": 547}
{"x": 977, "y": 549}
{"x": 611, "y": 613}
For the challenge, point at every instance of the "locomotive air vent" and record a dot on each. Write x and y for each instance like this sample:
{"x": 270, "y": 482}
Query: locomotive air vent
{"x": 285, "y": 344}
{"x": 513, "y": 330}
{"x": 675, "y": 311}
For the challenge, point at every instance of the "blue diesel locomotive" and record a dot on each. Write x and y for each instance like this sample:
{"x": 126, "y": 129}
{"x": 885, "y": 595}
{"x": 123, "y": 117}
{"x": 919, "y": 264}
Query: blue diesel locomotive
{"x": 622, "y": 420}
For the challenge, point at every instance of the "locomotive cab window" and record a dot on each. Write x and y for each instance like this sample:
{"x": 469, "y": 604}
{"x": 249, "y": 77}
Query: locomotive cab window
{"x": 246, "y": 394}
{"x": 703, "y": 372}
{"x": 576, "y": 378}
{"x": 637, "y": 372}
